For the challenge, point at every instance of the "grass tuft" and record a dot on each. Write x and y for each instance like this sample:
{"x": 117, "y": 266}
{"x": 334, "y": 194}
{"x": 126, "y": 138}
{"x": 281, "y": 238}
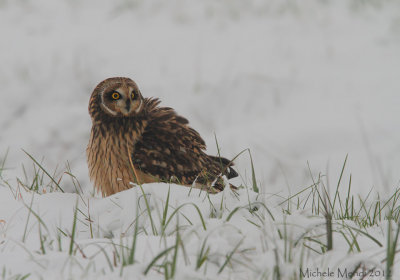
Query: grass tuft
{"x": 44, "y": 170}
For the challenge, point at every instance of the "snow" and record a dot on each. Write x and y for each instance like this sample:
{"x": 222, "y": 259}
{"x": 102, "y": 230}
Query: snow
{"x": 302, "y": 84}
{"x": 111, "y": 219}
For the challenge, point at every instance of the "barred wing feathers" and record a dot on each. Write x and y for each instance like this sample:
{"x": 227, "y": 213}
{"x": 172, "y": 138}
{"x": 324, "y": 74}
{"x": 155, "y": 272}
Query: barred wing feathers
{"x": 170, "y": 150}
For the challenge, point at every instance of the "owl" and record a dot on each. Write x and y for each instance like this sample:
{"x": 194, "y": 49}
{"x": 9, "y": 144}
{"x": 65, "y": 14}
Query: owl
{"x": 134, "y": 141}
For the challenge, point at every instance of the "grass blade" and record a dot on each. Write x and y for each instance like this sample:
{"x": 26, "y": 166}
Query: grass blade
{"x": 71, "y": 244}
{"x": 44, "y": 170}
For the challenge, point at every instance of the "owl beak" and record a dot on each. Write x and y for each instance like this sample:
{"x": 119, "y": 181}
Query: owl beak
{"x": 128, "y": 105}
{"x": 127, "y": 109}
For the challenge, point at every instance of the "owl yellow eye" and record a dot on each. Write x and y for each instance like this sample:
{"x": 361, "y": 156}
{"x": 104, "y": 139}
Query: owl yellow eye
{"x": 115, "y": 95}
{"x": 132, "y": 95}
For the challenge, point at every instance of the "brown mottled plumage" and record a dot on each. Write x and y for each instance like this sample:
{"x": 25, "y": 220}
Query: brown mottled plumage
{"x": 134, "y": 140}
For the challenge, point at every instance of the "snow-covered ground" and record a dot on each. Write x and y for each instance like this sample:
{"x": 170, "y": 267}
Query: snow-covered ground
{"x": 300, "y": 83}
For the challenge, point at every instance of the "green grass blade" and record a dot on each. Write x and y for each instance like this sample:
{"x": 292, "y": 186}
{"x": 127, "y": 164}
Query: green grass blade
{"x": 44, "y": 170}
{"x": 160, "y": 255}
{"x": 253, "y": 174}
{"x": 188, "y": 203}
{"x": 229, "y": 257}
{"x": 153, "y": 227}
{"x": 71, "y": 244}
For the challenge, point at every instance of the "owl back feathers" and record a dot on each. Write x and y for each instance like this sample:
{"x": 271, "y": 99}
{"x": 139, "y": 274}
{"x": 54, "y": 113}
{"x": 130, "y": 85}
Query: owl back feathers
{"x": 172, "y": 149}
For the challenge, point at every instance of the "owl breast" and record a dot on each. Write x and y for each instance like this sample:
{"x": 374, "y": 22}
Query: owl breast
{"x": 109, "y": 161}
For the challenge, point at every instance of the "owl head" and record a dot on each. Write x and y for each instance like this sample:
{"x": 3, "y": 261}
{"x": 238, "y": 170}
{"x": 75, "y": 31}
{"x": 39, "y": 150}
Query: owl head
{"x": 116, "y": 97}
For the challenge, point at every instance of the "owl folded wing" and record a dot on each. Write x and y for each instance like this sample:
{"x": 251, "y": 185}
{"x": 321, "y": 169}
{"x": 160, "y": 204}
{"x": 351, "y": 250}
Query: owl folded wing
{"x": 169, "y": 149}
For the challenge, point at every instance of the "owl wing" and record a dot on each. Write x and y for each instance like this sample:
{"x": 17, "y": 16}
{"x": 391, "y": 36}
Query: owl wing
{"x": 168, "y": 148}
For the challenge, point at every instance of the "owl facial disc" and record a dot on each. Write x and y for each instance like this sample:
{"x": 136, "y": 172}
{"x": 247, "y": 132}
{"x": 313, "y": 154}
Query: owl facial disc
{"x": 119, "y": 97}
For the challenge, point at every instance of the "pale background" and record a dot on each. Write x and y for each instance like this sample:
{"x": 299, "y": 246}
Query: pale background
{"x": 297, "y": 82}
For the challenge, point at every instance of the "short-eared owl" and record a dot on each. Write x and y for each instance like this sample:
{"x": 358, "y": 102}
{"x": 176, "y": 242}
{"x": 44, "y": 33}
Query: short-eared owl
{"x": 134, "y": 140}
